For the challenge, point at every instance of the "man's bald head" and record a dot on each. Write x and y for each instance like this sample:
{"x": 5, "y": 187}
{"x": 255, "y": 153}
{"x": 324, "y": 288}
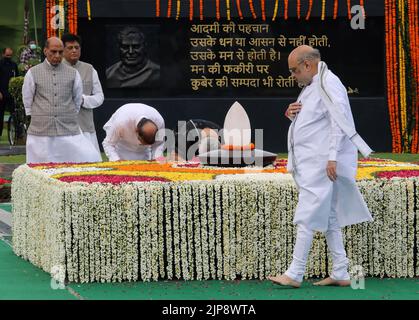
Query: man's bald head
{"x": 305, "y": 52}
{"x": 303, "y": 63}
{"x": 53, "y": 50}
{"x": 147, "y": 131}
{"x": 53, "y": 41}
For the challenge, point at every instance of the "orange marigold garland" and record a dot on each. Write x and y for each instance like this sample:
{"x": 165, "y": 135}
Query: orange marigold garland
{"x": 335, "y": 9}
{"x": 190, "y": 10}
{"x": 348, "y": 4}
{"x": 252, "y": 9}
{"x": 169, "y": 8}
{"x": 157, "y": 8}
{"x": 298, "y": 9}
{"x": 402, "y": 76}
{"x": 286, "y": 9}
{"x": 413, "y": 49}
{"x": 217, "y": 9}
{"x": 239, "y": 10}
{"x": 388, "y": 69}
{"x": 323, "y": 9}
{"x": 394, "y": 83}
{"x": 48, "y": 17}
{"x": 263, "y": 7}
{"x": 228, "y": 9}
{"x": 310, "y": 7}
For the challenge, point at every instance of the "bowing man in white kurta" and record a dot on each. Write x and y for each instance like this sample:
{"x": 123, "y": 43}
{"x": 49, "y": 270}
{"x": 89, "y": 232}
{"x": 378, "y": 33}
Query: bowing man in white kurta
{"x": 52, "y": 95}
{"x": 122, "y": 137}
{"x": 322, "y": 157}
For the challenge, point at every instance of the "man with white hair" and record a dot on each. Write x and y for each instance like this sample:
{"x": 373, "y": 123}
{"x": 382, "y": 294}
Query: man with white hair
{"x": 322, "y": 157}
{"x": 52, "y": 95}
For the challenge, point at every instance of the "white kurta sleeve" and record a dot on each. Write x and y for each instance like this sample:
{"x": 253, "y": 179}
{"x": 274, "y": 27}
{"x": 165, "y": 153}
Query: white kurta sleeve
{"x": 110, "y": 141}
{"x": 336, "y": 136}
{"x": 96, "y": 98}
{"x": 157, "y": 150}
{"x": 335, "y": 140}
{"x": 28, "y": 92}
{"x": 77, "y": 91}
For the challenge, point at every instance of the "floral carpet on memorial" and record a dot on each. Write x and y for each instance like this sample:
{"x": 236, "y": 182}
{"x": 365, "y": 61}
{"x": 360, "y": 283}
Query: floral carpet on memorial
{"x": 145, "y": 171}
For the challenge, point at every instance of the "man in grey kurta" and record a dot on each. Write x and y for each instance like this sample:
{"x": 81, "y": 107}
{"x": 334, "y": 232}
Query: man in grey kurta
{"x": 92, "y": 89}
{"x": 52, "y": 95}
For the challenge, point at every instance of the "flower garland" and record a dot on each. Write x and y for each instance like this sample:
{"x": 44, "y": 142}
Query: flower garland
{"x": 177, "y": 9}
{"x": 298, "y": 9}
{"x": 201, "y": 10}
{"x": 263, "y": 8}
{"x": 335, "y": 9}
{"x": 310, "y": 7}
{"x": 158, "y": 8}
{"x": 413, "y": 34}
{"x": 348, "y": 5}
{"x": 191, "y": 10}
{"x": 48, "y": 16}
{"x": 89, "y": 13}
{"x": 323, "y": 9}
{"x": 239, "y": 10}
{"x": 169, "y": 8}
{"x": 210, "y": 230}
{"x": 275, "y": 10}
{"x": 252, "y": 9}
{"x": 401, "y": 34}
{"x": 70, "y": 16}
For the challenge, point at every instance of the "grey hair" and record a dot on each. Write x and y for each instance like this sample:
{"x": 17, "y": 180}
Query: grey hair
{"x": 314, "y": 54}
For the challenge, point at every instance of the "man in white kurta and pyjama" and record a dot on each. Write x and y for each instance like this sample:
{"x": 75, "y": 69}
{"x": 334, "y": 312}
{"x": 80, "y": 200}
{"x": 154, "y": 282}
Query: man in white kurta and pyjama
{"x": 52, "y": 95}
{"x": 134, "y": 132}
{"x": 322, "y": 144}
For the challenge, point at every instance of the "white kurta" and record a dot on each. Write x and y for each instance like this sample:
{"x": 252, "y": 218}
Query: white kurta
{"x": 121, "y": 141}
{"x": 91, "y": 102}
{"x": 71, "y": 148}
{"x": 313, "y": 140}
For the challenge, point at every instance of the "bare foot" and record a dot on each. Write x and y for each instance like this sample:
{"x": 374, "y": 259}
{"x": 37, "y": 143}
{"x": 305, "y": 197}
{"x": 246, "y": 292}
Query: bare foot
{"x": 284, "y": 280}
{"x": 332, "y": 282}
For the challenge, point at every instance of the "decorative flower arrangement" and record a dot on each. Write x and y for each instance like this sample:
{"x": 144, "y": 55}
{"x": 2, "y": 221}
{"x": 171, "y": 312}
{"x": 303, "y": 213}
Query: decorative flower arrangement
{"x": 140, "y": 220}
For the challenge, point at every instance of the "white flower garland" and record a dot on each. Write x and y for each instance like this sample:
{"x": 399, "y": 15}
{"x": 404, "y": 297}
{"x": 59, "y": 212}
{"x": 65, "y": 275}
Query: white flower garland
{"x": 203, "y": 230}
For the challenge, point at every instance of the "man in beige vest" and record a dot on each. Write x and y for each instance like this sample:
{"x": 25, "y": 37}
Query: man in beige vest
{"x": 52, "y": 95}
{"x": 92, "y": 89}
